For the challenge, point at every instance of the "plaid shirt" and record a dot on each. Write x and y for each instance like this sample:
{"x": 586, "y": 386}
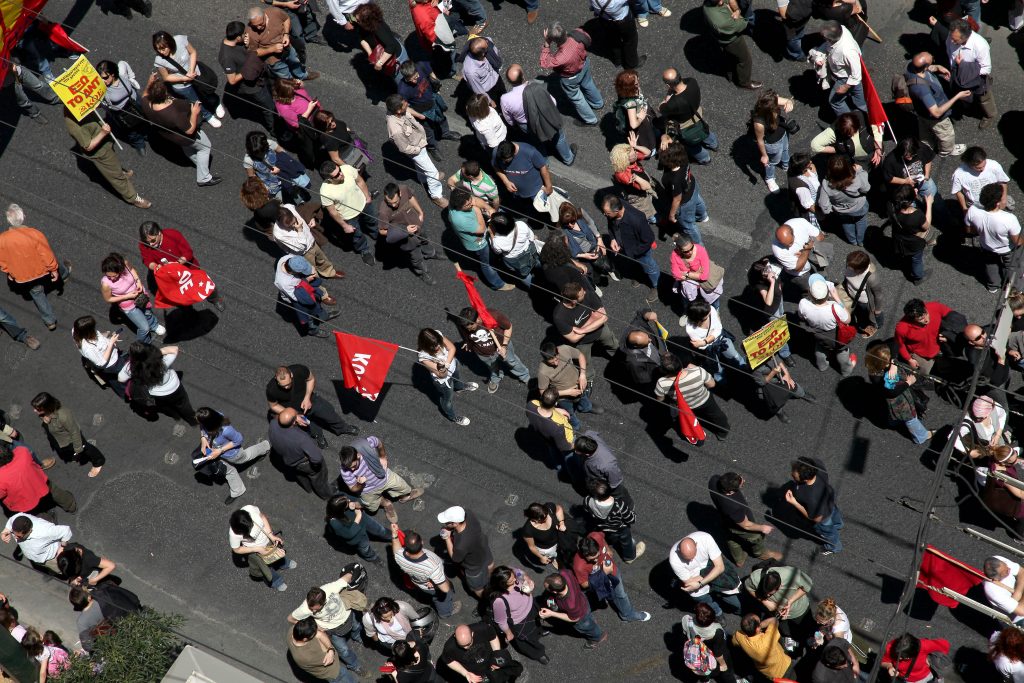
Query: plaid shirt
{"x": 569, "y": 59}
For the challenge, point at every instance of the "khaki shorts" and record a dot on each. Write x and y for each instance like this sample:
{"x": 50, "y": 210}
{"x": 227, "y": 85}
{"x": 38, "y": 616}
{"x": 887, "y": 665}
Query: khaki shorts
{"x": 394, "y": 487}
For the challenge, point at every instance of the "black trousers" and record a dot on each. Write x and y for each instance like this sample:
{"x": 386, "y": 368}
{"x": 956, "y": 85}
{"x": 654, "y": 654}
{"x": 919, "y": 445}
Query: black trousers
{"x": 527, "y": 637}
{"x": 623, "y": 41}
{"x": 313, "y": 479}
{"x": 90, "y": 454}
{"x": 260, "y": 102}
{"x": 323, "y": 416}
{"x": 739, "y": 50}
{"x": 711, "y": 417}
{"x": 177, "y": 405}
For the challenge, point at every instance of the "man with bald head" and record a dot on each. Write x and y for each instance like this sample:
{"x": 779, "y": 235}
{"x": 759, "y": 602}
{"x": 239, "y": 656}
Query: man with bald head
{"x": 680, "y": 109}
{"x": 475, "y": 653}
{"x": 976, "y": 349}
{"x": 294, "y": 386}
{"x": 643, "y": 359}
{"x": 800, "y": 249}
{"x": 931, "y": 104}
{"x": 480, "y": 69}
{"x": 689, "y": 559}
{"x": 299, "y": 452}
{"x": 531, "y": 108}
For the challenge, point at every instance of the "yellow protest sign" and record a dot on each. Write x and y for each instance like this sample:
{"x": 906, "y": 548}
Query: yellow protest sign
{"x": 766, "y": 342}
{"x": 80, "y": 88}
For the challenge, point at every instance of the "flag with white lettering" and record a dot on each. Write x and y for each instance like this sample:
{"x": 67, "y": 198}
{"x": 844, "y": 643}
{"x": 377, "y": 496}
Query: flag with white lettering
{"x": 364, "y": 363}
{"x": 178, "y": 285}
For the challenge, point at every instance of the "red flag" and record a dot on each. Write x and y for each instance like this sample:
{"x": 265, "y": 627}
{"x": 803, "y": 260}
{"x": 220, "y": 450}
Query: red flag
{"x": 15, "y": 18}
{"x": 364, "y": 363}
{"x": 691, "y": 429}
{"x": 939, "y": 570}
{"x": 876, "y": 112}
{"x": 58, "y": 36}
{"x": 178, "y": 285}
{"x": 486, "y": 319}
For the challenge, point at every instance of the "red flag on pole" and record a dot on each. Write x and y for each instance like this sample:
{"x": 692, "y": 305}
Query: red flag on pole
{"x": 876, "y": 112}
{"x": 941, "y": 570}
{"x": 691, "y": 430}
{"x": 178, "y": 285}
{"x": 59, "y": 37}
{"x": 364, "y": 363}
{"x": 486, "y": 319}
{"x": 15, "y": 18}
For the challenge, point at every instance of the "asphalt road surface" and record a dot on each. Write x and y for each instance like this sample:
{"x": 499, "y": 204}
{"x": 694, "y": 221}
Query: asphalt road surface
{"x": 168, "y": 533}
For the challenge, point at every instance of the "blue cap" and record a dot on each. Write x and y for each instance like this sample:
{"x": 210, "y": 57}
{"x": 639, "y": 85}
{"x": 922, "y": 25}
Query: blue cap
{"x": 298, "y": 264}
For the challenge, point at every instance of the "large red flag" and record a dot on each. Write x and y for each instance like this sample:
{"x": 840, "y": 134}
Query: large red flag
{"x": 691, "y": 430}
{"x": 939, "y": 570}
{"x": 486, "y": 319}
{"x": 15, "y": 18}
{"x": 876, "y": 112}
{"x": 364, "y": 363}
{"x": 178, "y": 285}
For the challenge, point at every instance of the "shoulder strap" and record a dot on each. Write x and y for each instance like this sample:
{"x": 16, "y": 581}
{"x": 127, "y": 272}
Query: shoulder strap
{"x": 508, "y": 613}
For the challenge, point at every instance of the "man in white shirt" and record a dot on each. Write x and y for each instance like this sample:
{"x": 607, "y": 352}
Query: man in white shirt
{"x": 799, "y": 247}
{"x": 334, "y": 618}
{"x": 293, "y": 233}
{"x": 689, "y": 557}
{"x": 970, "y": 64}
{"x": 998, "y": 232}
{"x": 39, "y": 541}
{"x": 976, "y": 171}
{"x": 844, "y": 70}
{"x": 1005, "y": 586}
{"x": 822, "y": 310}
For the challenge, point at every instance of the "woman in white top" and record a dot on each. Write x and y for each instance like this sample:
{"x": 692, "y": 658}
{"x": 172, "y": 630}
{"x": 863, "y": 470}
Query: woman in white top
{"x": 984, "y": 427}
{"x": 389, "y": 621}
{"x": 822, "y": 310}
{"x": 832, "y": 622}
{"x": 516, "y": 243}
{"x": 177, "y": 63}
{"x": 486, "y": 123}
{"x": 1007, "y": 653}
{"x": 437, "y": 354}
{"x": 100, "y": 353}
{"x": 154, "y": 385}
{"x": 250, "y": 535}
{"x": 703, "y": 326}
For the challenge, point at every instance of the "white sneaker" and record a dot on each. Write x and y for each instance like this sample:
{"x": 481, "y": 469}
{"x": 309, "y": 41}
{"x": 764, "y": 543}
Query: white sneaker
{"x": 160, "y": 330}
{"x": 705, "y": 219}
{"x": 214, "y": 122}
{"x": 462, "y": 421}
{"x": 773, "y": 186}
{"x": 614, "y": 276}
{"x": 221, "y": 111}
{"x": 597, "y": 290}
{"x": 282, "y": 588}
{"x": 469, "y": 386}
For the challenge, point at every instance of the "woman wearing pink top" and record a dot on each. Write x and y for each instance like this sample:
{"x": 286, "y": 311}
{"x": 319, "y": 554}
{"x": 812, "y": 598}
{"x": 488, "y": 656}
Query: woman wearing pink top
{"x": 691, "y": 266}
{"x": 121, "y": 285}
{"x": 510, "y": 594}
{"x": 296, "y": 108}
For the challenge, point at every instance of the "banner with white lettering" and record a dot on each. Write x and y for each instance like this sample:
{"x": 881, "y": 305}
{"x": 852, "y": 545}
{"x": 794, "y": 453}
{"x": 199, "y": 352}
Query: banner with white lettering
{"x": 364, "y": 363}
{"x": 178, "y": 285}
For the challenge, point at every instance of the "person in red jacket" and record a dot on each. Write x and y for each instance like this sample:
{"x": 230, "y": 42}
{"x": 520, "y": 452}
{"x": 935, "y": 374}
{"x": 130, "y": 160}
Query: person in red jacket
{"x": 158, "y": 246}
{"x": 24, "y": 487}
{"x": 907, "y": 656}
{"x": 917, "y": 333}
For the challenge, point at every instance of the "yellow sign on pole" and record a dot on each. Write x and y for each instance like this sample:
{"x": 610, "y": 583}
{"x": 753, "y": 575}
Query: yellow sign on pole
{"x": 80, "y": 88}
{"x": 766, "y": 342}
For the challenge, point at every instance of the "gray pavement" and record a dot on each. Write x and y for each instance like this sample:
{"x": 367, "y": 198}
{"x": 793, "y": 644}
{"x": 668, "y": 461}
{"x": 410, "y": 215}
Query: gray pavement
{"x": 168, "y": 534}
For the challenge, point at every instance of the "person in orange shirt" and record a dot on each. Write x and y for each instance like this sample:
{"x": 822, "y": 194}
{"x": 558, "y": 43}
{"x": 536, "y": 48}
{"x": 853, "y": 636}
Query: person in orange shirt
{"x": 759, "y": 639}
{"x": 29, "y": 262}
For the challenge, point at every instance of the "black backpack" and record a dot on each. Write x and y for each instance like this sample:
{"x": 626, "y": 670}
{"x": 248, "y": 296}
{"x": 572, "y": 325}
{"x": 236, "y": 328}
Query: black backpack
{"x": 115, "y": 602}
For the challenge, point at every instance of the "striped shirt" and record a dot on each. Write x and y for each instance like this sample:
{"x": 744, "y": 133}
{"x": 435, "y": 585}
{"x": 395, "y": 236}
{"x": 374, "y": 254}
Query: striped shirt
{"x": 691, "y": 385}
{"x": 430, "y": 568}
{"x": 373, "y": 482}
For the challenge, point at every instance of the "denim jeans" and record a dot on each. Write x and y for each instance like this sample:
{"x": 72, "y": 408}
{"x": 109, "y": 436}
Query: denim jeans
{"x": 588, "y": 628}
{"x": 578, "y": 404}
{"x": 514, "y": 363}
{"x": 288, "y": 65}
{"x": 692, "y": 211}
{"x": 192, "y": 95}
{"x": 828, "y": 530}
{"x": 145, "y": 323}
{"x": 562, "y": 149}
{"x": 971, "y": 8}
{"x": 446, "y": 395}
{"x": 347, "y": 654}
{"x": 622, "y": 541}
{"x": 794, "y": 45}
{"x": 709, "y": 600}
{"x": 928, "y": 188}
{"x": 650, "y": 267}
{"x": 841, "y": 103}
{"x": 444, "y": 603}
{"x": 623, "y": 606}
{"x": 699, "y": 153}
{"x": 38, "y": 294}
{"x": 641, "y": 8}
{"x": 583, "y": 93}
{"x": 482, "y": 260}
{"x": 377, "y": 531}
{"x": 474, "y": 9}
{"x": 918, "y": 432}
{"x": 778, "y": 155}
{"x": 723, "y": 347}
{"x": 10, "y": 325}
{"x": 917, "y": 265}
{"x": 365, "y": 224}
{"x": 780, "y": 312}
{"x": 437, "y": 122}
{"x": 854, "y": 227}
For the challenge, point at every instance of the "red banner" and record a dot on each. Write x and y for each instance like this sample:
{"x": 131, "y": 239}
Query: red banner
{"x": 178, "y": 285}
{"x": 876, "y": 112}
{"x": 364, "y": 363}
{"x": 691, "y": 430}
{"x": 486, "y": 319}
{"x": 940, "y": 570}
{"x": 15, "y": 17}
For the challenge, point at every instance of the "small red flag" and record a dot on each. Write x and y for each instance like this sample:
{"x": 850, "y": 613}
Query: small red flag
{"x": 486, "y": 319}
{"x": 940, "y": 570}
{"x": 178, "y": 285}
{"x": 364, "y": 363}
{"x": 59, "y": 37}
{"x": 691, "y": 430}
{"x": 876, "y": 112}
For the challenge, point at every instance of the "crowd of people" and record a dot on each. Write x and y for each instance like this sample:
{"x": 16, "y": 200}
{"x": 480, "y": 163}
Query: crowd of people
{"x": 518, "y": 230}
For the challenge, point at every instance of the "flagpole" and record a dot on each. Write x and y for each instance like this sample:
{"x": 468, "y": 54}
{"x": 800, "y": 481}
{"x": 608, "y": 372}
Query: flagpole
{"x": 458, "y": 269}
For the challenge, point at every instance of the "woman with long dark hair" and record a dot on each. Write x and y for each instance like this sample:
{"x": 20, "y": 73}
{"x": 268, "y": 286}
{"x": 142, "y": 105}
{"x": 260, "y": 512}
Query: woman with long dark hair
{"x": 844, "y": 194}
{"x": 509, "y": 593}
{"x": 296, "y": 107}
{"x": 437, "y": 354}
{"x": 100, "y": 353}
{"x": 770, "y": 134}
{"x": 121, "y": 104}
{"x": 177, "y": 64}
{"x": 907, "y": 656}
{"x": 218, "y": 439}
{"x": 122, "y": 285}
{"x": 560, "y": 268}
{"x": 767, "y": 297}
{"x": 540, "y": 532}
{"x": 283, "y": 176}
{"x": 153, "y": 382}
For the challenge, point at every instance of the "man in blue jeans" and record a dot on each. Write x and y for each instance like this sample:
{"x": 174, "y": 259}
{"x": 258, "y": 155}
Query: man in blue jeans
{"x": 29, "y": 262}
{"x": 815, "y": 499}
{"x": 844, "y": 68}
{"x": 325, "y": 605}
{"x": 468, "y": 223}
{"x": 596, "y": 571}
{"x": 354, "y": 528}
{"x": 18, "y": 333}
{"x": 565, "y": 53}
{"x": 632, "y": 236}
{"x": 567, "y": 601}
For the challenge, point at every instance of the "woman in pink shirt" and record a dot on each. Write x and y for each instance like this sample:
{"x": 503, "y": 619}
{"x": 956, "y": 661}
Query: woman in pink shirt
{"x": 510, "y": 594}
{"x": 691, "y": 268}
{"x": 122, "y": 285}
{"x": 296, "y": 108}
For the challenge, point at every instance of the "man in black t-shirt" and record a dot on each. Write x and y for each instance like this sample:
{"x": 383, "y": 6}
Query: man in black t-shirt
{"x": 581, "y": 318}
{"x": 910, "y": 164}
{"x": 814, "y": 498}
{"x": 292, "y": 386}
{"x": 475, "y": 649}
{"x": 743, "y": 535}
{"x": 492, "y": 347}
{"x": 681, "y": 106}
{"x": 837, "y": 663}
{"x": 467, "y": 546}
{"x": 245, "y": 76}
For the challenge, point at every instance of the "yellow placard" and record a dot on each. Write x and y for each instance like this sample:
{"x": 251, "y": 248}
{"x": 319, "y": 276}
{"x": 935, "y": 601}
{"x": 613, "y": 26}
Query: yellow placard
{"x": 80, "y": 88}
{"x": 766, "y": 342}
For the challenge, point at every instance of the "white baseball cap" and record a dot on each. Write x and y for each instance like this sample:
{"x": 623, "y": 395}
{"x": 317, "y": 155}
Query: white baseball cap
{"x": 818, "y": 286}
{"x": 453, "y": 515}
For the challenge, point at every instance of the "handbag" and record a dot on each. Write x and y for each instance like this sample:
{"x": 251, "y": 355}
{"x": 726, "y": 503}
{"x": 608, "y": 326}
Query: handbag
{"x": 215, "y": 469}
{"x": 715, "y": 275}
{"x": 141, "y": 299}
{"x": 845, "y": 332}
{"x": 206, "y": 77}
{"x": 792, "y": 126}
{"x": 275, "y": 554}
{"x": 390, "y": 67}
{"x": 693, "y": 134}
